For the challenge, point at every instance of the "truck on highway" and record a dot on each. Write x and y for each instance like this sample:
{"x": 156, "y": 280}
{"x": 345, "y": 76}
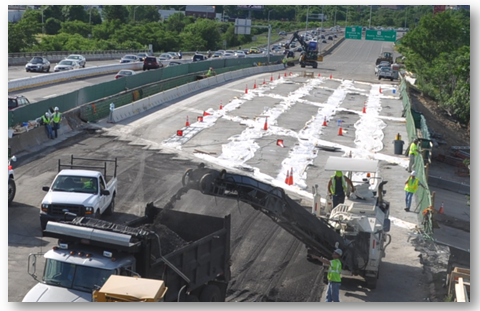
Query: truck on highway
{"x": 309, "y": 55}
{"x": 358, "y": 227}
{"x": 12, "y": 187}
{"x": 190, "y": 253}
{"x": 80, "y": 190}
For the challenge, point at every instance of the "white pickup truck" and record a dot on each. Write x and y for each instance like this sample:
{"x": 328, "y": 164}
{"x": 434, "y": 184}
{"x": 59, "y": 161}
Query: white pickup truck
{"x": 12, "y": 188}
{"x": 79, "y": 190}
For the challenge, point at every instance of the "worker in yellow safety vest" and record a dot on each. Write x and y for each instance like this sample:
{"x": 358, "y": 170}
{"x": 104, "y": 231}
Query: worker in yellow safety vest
{"x": 411, "y": 187}
{"x": 284, "y": 61}
{"x": 334, "y": 275}
{"x": 46, "y": 120}
{"x": 56, "y": 117}
{"x": 412, "y": 153}
{"x": 211, "y": 72}
{"x": 337, "y": 187}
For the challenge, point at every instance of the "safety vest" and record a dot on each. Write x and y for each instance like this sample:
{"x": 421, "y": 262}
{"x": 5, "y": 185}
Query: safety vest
{"x": 412, "y": 185}
{"x": 45, "y": 120}
{"x": 413, "y": 149}
{"x": 344, "y": 185}
{"x": 209, "y": 73}
{"x": 56, "y": 117}
{"x": 335, "y": 270}
{"x": 284, "y": 60}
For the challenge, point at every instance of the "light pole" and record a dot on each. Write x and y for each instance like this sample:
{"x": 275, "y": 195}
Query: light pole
{"x": 134, "y": 9}
{"x": 306, "y": 22}
{"x": 269, "y": 15}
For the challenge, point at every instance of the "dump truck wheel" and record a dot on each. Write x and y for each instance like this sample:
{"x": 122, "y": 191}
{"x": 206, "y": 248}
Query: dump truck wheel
{"x": 211, "y": 293}
{"x": 185, "y": 176}
{"x": 206, "y": 183}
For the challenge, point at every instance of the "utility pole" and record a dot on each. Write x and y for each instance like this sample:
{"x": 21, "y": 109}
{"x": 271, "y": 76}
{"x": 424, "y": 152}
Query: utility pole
{"x": 323, "y": 17}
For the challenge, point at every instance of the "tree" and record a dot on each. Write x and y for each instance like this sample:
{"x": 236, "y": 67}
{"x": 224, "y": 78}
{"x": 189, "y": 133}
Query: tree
{"x": 74, "y": 13}
{"x": 52, "y": 26}
{"x": 115, "y": 12}
{"x": 76, "y": 27}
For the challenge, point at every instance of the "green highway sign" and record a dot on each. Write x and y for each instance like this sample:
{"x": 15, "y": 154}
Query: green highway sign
{"x": 381, "y": 35}
{"x": 353, "y": 33}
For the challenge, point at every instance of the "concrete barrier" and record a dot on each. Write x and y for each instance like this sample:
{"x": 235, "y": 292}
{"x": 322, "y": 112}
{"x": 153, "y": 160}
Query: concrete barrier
{"x": 448, "y": 185}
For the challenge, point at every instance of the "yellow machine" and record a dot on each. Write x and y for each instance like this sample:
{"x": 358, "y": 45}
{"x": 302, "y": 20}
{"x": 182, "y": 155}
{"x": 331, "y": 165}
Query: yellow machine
{"x": 120, "y": 288}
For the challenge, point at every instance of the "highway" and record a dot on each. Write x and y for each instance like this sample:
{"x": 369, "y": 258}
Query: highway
{"x": 268, "y": 264}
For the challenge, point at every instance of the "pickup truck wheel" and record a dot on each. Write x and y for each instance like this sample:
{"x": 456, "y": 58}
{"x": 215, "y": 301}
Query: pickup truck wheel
{"x": 97, "y": 214}
{"x": 12, "y": 189}
{"x": 111, "y": 208}
{"x": 43, "y": 224}
{"x": 211, "y": 293}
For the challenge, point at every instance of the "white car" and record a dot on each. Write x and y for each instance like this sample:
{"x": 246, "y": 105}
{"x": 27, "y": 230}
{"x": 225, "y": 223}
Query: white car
{"x": 240, "y": 54}
{"x": 165, "y": 56}
{"x": 129, "y": 59}
{"x": 78, "y": 58}
{"x": 66, "y": 64}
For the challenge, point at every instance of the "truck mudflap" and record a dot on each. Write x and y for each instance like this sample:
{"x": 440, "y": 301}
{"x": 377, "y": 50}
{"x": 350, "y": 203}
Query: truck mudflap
{"x": 319, "y": 237}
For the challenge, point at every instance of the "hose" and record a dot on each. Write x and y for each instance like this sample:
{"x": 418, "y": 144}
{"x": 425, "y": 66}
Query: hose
{"x": 179, "y": 292}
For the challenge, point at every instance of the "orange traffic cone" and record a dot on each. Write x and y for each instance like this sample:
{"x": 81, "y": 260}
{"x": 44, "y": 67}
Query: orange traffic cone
{"x": 380, "y": 89}
{"x": 246, "y": 89}
{"x": 364, "y": 109}
{"x": 287, "y": 179}
{"x": 280, "y": 143}
{"x": 291, "y": 74}
{"x": 271, "y": 78}
{"x": 187, "y": 123}
{"x": 199, "y": 119}
{"x": 265, "y": 126}
{"x": 221, "y": 105}
{"x": 179, "y": 133}
{"x": 255, "y": 84}
{"x": 290, "y": 181}
{"x": 330, "y": 76}
{"x": 324, "y": 121}
{"x": 206, "y": 113}
{"x": 285, "y": 74}
{"x": 440, "y": 211}
{"x": 263, "y": 81}
{"x": 340, "y": 131}
{"x": 278, "y": 76}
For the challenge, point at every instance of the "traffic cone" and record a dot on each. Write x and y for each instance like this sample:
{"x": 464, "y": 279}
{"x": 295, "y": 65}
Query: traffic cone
{"x": 263, "y": 81}
{"x": 199, "y": 119}
{"x": 340, "y": 131}
{"x": 324, "y": 121}
{"x": 330, "y": 76}
{"x": 280, "y": 143}
{"x": 278, "y": 76}
{"x": 265, "y": 126}
{"x": 206, "y": 113}
{"x": 255, "y": 84}
{"x": 221, "y": 105}
{"x": 187, "y": 123}
{"x": 440, "y": 211}
{"x": 350, "y": 155}
{"x": 179, "y": 133}
{"x": 319, "y": 75}
{"x": 290, "y": 180}
{"x": 246, "y": 89}
{"x": 380, "y": 89}
{"x": 291, "y": 74}
{"x": 287, "y": 179}
{"x": 285, "y": 74}
{"x": 364, "y": 109}
{"x": 271, "y": 78}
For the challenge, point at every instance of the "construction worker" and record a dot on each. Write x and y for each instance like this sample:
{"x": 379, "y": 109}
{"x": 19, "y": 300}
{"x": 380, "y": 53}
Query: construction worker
{"x": 337, "y": 187}
{"x": 47, "y": 122}
{"x": 334, "y": 275}
{"x": 88, "y": 183}
{"x": 411, "y": 186}
{"x": 211, "y": 72}
{"x": 57, "y": 116}
{"x": 412, "y": 153}
{"x": 284, "y": 61}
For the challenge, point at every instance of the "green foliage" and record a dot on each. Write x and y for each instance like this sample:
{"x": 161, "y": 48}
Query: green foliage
{"x": 74, "y": 13}
{"x": 52, "y": 26}
{"x": 438, "y": 52}
{"x": 76, "y": 27}
{"x": 115, "y": 12}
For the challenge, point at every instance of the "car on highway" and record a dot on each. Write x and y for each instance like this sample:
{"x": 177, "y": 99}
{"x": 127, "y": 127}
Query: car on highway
{"x": 129, "y": 59}
{"x": 66, "y": 65}
{"x": 40, "y": 64}
{"x": 78, "y": 58}
{"x": 198, "y": 57}
{"x": 174, "y": 63}
{"x": 15, "y": 101}
{"x": 151, "y": 62}
{"x": 382, "y": 64}
{"x": 217, "y": 54}
{"x": 282, "y": 33}
{"x": 330, "y": 38}
{"x": 240, "y": 54}
{"x": 165, "y": 56}
{"x": 124, "y": 73}
{"x": 173, "y": 54}
{"x": 141, "y": 56}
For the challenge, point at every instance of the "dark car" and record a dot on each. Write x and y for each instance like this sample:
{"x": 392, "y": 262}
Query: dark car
{"x": 40, "y": 64}
{"x": 151, "y": 62}
{"x": 330, "y": 38}
{"x": 15, "y": 101}
{"x": 198, "y": 57}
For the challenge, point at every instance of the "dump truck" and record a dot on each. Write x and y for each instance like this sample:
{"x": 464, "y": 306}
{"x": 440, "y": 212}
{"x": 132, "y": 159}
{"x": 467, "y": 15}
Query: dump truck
{"x": 385, "y": 56}
{"x": 190, "y": 253}
{"x": 359, "y": 226}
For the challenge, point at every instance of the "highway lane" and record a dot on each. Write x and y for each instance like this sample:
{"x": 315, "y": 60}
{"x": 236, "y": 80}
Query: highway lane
{"x": 268, "y": 263}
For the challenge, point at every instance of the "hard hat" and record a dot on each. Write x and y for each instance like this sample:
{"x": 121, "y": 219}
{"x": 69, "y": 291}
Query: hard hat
{"x": 413, "y": 173}
{"x": 56, "y": 109}
{"x": 338, "y": 251}
{"x": 47, "y": 114}
{"x": 338, "y": 173}
{"x": 211, "y": 68}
